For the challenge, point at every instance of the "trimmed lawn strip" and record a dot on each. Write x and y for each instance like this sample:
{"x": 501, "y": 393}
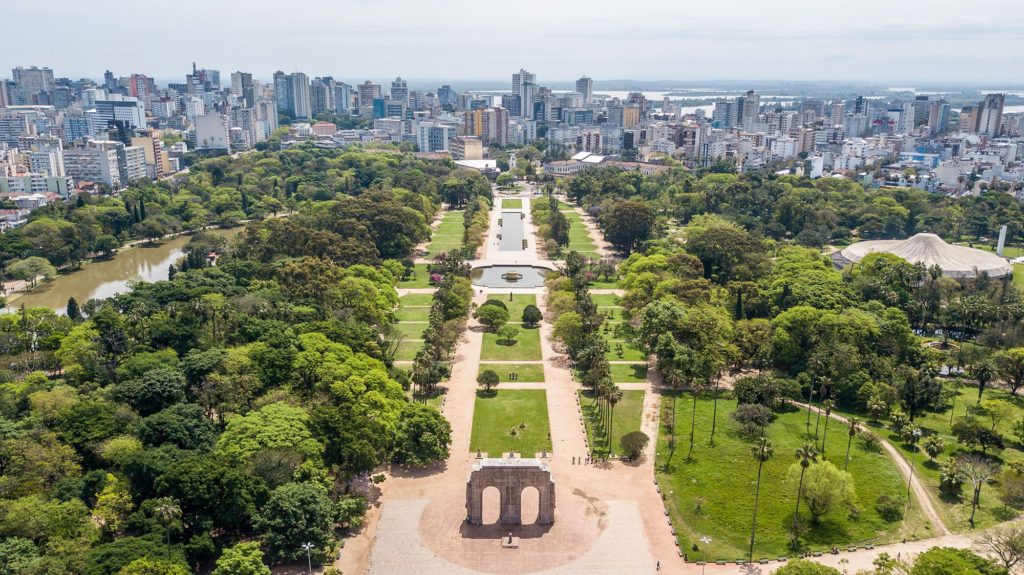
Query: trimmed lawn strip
{"x": 526, "y": 347}
{"x": 627, "y": 419}
{"x": 629, "y": 372}
{"x": 605, "y": 299}
{"x": 497, "y": 413}
{"x": 417, "y": 299}
{"x": 511, "y": 204}
{"x": 410, "y": 330}
{"x": 712, "y": 492}
{"x": 516, "y": 306}
{"x": 407, "y": 349}
{"x": 420, "y": 278}
{"x": 413, "y": 314}
{"x": 528, "y": 372}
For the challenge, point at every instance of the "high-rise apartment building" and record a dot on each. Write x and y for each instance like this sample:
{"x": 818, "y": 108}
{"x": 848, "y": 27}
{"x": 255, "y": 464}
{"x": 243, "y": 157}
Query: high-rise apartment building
{"x": 30, "y": 83}
{"x": 321, "y": 95}
{"x": 299, "y": 87}
{"x": 990, "y": 115}
{"x": 281, "y": 91}
{"x": 524, "y": 85}
{"x": 433, "y": 136}
{"x": 938, "y": 117}
{"x": 342, "y": 99}
{"x": 368, "y": 92}
{"x": 243, "y": 87}
{"x": 585, "y": 87}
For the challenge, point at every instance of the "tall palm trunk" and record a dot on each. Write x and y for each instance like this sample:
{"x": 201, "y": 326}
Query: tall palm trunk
{"x": 799, "y": 496}
{"x": 849, "y": 442}
{"x": 693, "y": 421}
{"x": 714, "y": 411}
{"x": 757, "y": 496}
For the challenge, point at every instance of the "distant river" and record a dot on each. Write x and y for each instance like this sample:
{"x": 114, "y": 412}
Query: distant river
{"x": 105, "y": 278}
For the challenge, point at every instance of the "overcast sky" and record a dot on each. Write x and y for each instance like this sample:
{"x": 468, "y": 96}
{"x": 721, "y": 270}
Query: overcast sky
{"x": 889, "y": 41}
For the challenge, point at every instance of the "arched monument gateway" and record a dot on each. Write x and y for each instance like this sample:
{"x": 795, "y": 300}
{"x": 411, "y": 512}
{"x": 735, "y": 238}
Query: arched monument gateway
{"x": 510, "y": 476}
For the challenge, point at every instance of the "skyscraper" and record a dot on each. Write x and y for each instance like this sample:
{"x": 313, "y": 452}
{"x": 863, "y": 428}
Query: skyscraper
{"x": 991, "y": 114}
{"x": 585, "y": 86}
{"x": 920, "y": 110}
{"x": 524, "y": 85}
{"x": 284, "y": 102}
{"x": 399, "y": 90}
{"x": 751, "y": 108}
{"x": 242, "y": 86}
{"x": 299, "y": 87}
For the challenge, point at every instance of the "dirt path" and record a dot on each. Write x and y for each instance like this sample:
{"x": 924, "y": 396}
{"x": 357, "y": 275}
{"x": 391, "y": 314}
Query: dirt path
{"x": 920, "y": 491}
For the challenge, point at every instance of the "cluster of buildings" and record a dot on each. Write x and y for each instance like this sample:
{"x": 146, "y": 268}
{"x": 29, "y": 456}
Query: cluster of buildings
{"x": 59, "y": 136}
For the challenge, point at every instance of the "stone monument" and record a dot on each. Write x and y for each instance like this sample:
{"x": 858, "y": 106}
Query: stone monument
{"x": 510, "y": 477}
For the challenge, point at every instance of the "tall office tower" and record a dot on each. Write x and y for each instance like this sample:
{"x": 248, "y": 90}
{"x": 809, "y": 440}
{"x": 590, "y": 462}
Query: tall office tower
{"x": 342, "y": 99}
{"x": 321, "y": 95}
{"x": 524, "y": 85}
{"x": 969, "y": 119}
{"x": 938, "y": 117}
{"x": 368, "y": 92}
{"x": 447, "y": 97}
{"x": 243, "y": 87}
{"x": 299, "y": 86}
{"x": 751, "y": 108}
{"x": 585, "y": 86}
{"x": 399, "y": 90}
{"x": 837, "y": 111}
{"x": 991, "y": 114}
{"x": 281, "y": 84}
{"x": 6, "y": 93}
{"x": 109, "y": 81}
{"x": 920, "y": 110}
{"x": 860, "y": 105}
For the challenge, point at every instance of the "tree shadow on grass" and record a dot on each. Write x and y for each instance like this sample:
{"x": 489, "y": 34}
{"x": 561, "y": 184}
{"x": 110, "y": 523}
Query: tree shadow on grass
{"x": 487, "y": 393}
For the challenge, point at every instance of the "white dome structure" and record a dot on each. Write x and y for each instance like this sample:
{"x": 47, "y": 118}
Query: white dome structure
{"x": 956, "y": 261}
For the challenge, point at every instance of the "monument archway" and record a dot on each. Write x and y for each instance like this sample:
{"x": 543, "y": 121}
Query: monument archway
{"x": 511, "y": 477}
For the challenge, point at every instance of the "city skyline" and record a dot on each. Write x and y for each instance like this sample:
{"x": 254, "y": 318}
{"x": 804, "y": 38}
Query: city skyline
{"x": 600, "y": 40}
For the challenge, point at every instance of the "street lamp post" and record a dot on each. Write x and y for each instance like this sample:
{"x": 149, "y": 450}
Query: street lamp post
{"x": 309, "y": 560}
{"x": 706, "y": 541}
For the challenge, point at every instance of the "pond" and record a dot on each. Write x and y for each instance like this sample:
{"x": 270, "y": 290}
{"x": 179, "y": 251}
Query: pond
{"x": 509, "y": 276}
{"x": 513, "y": 232}
{"x": 106, "y": 278}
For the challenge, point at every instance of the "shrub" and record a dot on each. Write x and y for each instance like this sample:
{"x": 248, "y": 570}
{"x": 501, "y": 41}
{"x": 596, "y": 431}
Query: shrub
{"x": 532, "y": 315}
{"x": 752, "y": 417}
{"x": 889, "y": 507}
{"x": 951, "y": 479}
{"x": 869, "y": 439}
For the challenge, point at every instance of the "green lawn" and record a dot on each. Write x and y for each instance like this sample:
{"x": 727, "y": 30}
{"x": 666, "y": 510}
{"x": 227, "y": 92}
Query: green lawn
{"x": 605, "y": 300}
{"x": 579, "y": 237}
{"x": 599, "y": 283}
{"x": 511, "y": 204}
{"x": 712, "y": 492}
{"x": 1018, "y": 275}
{"x": 496, "y": 414}
{"x": 629, "y": 352}
{"x": 626, "y": 419}
{"x": 448, "y": 235}
{"x": 410, "y": 330}
{"x": 516, "y": 306}
{"x": 417, "y": 299}
{"x": 413, "y": 314}
{"x": 629, "y": 372}
{"x": 529, "y": 372}
{"x": 526, "y": 347}
{"x": 407, "y": 349}
{"x": 957, "y": 511}
{"x": 420, "y": 278}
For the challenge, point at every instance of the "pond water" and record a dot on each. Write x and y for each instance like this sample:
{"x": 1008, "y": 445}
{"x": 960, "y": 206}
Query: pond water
{"x": 105, "y": 278}
{"x": 509, "y": 276}
{"x": 513, "y": 232}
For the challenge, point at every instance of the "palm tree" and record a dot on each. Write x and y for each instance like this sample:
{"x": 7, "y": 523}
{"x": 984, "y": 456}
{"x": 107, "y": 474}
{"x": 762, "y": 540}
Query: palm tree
{"x": 168, "y": 510}
{"x": 714, "y": 409}
{"x": 763, "y": 451}
{"x": 614, "y": 396}
{"x": 806, "y": 455}
{"x": 983, "y": 372}
{"x": 854, "y": 427}
{"x": 828, "y": 404}
{"x": 693, "y": 415}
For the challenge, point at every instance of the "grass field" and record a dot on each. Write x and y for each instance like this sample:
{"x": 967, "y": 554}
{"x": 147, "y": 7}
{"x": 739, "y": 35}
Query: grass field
{"x": 957, "y": 511}
{"x": 529, "y": 372}
{"x": 627, "y": 419}
{"x": 417, "y": 299}
{"x": 511, "y": 204}
{"x": 410, "y": 330}
{"x": 1018, "y": 275}
{"x": 419, "y": 279}
{"x": 448, "y": 235}
{"x": 579, "y": 237}
{"x": 711, "y": 493}
{"x": 605, "y": 300}
{"x": 407, "y": 349}
{"x": 629, "y": 372}
{"x": 413, "y": 314}
{"x": 516, "y": 306}
{"x": 526, "y": 347}
{"x": 497, "y": 413}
